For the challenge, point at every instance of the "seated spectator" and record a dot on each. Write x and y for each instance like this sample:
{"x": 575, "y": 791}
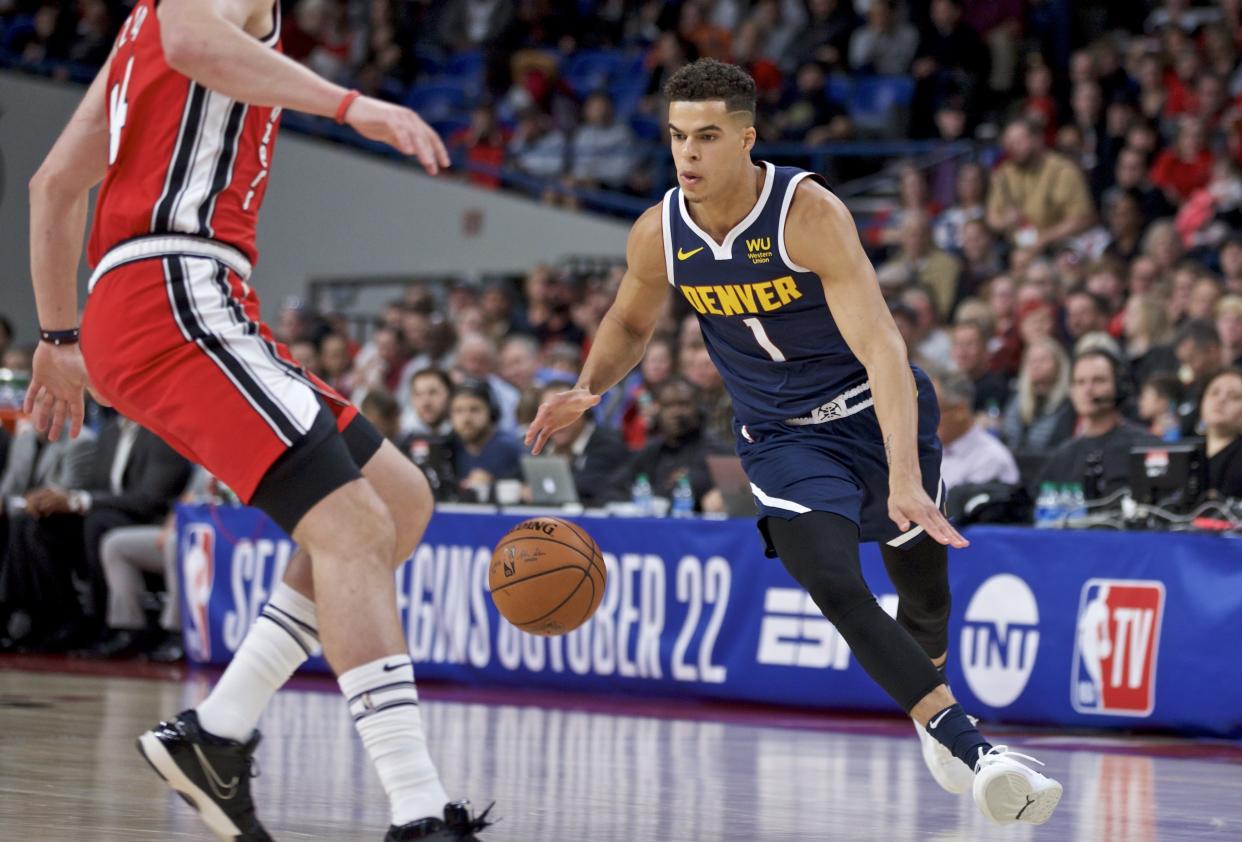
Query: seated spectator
{"x": 981, "y": 259}
{"x": 1148, "y": 335}
{"x": 680, "y": 448}
{"x": 1205, "y": 294}
{"x": 919, "y": 258}
{"x": 602, "y": 149}
{"x": 1037, "y": 197}
{"x": 127, "y": 553}
{"x": 929, "y": 341}
{"x": 1221, "y": 410}
{"x": 1231, "y": 264}
{"x": 479, "y": 148}
{"x": 482, "y": 453}
{"x": 826, "y": 36}
{"x": 1098, "y": 459}
{"x": 913, "y": 197}
{"x": 1039, "y": 414}
{"x": 537, "y": 147}
{"x": 427, "y": 410}
{"x": 1198, "y": 350}
{"x": 1186, "y": 166}
{"x": 1213, "y": 211}
{"x": 134, "y": 478}
{"x": 970, "y": 193}
{"x": 380, "y": 364}
{"x": 1229, "y": 328}
{"x": 1162, "y": 244}
{"x": 700, "y": 371}
{"x": 969, "y": 352}
{"x": 336, "y": 362}
{"x": 595, "y": 455}
{"x": 382, "y": 410}
{"x": 519, "y": 361}
{"x": 1124, "y": 214}
{"x": 810, "y": 117}
{"x": 951, "y": 59}
{"x": 476, "y": 360}
{"x": 639, "y": 414}
{"x": 885, "y": 44}
{"x": 971, "y": 454}
{"x": 1130, "y": 175}
{"x": 1157, "y": 405}
{"x": 1084, "y": 313}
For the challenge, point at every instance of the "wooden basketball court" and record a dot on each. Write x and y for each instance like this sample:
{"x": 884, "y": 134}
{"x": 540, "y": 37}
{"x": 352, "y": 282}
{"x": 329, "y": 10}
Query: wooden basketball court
{"x": 573, "y": 769}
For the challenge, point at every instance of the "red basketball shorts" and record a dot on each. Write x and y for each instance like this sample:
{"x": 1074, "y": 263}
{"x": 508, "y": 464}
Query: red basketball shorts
{"x": 172, "y": 338}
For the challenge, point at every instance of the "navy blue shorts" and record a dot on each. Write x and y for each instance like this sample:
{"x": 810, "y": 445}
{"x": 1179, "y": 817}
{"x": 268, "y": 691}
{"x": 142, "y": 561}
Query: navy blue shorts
{"x": 838, "y": 465}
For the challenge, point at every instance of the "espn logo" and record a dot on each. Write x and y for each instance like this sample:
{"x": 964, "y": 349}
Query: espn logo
{"x": 795, "y": 634}
{"x": 1116, "y": 646}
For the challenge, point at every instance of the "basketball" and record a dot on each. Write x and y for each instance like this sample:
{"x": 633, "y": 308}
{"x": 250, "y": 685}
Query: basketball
{"x": 547, "y": 576}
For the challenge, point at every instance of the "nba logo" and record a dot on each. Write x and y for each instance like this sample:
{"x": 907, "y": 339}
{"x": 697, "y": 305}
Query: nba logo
{"x": 198, "y": 549}
{"x": 1117, "y": 641}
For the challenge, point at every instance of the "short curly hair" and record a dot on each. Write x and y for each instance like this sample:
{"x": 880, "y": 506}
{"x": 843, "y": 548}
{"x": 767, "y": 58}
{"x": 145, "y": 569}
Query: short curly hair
{"x": 709, "y": 79}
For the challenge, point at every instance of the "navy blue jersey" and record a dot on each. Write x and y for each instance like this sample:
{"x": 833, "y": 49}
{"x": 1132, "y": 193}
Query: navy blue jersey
{"x": 765, "y": 320}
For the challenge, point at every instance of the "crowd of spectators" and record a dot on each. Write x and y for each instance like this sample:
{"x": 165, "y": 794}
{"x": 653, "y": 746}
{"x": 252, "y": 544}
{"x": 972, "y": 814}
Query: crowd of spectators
{"x": 1074, "y": 291}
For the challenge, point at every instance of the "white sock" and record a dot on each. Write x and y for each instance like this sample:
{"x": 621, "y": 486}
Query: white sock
{"x": 281, "y": 639}
{"x": 384, "y": 704}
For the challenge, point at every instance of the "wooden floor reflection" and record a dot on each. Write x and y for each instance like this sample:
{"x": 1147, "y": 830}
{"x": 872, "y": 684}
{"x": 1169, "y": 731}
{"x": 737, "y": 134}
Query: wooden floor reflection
{"x": 68, "y": 771}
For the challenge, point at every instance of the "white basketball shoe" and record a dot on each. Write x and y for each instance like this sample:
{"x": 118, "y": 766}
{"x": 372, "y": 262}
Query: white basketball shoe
{"x": 1007, "y": 790}
{"x": 953, "y": 775}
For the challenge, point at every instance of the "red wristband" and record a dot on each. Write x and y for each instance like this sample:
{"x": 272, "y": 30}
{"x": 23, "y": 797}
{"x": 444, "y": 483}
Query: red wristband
{"x": 346, "y": 101}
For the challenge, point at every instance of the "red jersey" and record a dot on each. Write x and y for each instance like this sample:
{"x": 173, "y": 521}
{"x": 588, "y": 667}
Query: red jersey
{"x": 182, "y": 159}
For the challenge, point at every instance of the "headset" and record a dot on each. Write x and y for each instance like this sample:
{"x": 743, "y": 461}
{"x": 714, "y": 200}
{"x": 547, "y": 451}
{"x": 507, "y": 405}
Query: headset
{"x": 481, "y": 390}
{"x": 1122, "y": 389}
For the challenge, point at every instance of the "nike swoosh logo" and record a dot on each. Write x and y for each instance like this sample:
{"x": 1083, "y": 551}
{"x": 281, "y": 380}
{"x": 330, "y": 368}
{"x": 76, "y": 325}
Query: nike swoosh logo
{"x": 222, "y": 790}
{"x": 391, "y": 667}
{"x": 686, "y": 255}
{"x": 932, "y": 723}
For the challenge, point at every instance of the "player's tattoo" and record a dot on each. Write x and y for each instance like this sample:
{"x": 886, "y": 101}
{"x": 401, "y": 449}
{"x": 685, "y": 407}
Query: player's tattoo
{"x": 888, "y": 449}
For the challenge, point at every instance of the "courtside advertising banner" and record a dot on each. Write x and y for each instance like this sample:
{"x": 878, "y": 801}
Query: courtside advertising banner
{"x": 1091, "y": 629}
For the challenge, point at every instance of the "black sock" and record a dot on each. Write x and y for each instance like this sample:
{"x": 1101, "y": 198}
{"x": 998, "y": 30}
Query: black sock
{"x": 952, "y": 728}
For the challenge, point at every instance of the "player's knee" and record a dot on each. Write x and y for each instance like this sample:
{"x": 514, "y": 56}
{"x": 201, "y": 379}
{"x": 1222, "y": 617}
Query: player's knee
{"x": 351, "y": 523}
{"x": 410, "y": 519}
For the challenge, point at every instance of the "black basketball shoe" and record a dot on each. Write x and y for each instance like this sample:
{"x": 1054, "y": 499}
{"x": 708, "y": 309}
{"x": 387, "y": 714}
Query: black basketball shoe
{"x": 459, "y": 825}
{"x": 212, "y": 774}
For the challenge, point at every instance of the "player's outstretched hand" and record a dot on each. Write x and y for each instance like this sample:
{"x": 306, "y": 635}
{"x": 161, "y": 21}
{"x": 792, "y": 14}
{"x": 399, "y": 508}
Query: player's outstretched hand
{"x": 400, "y": 128}
{"x": 557, "y": 413}
{"x": 909, "y": 504}
{"x": 56, "y": 387}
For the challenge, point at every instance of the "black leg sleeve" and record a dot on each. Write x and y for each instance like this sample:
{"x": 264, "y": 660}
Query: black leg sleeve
{"x": 820, "y": 550}
{"x": 921, "y": 576}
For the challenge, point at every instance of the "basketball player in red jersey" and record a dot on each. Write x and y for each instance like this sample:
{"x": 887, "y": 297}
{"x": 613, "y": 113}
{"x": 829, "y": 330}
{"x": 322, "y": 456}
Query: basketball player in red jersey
{"x": 180, "y": 126}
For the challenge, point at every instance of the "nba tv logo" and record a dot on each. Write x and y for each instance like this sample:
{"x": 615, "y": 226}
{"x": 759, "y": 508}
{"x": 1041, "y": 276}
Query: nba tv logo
{"x": 1116, "y": 644}
{"x": 198, "y": 563}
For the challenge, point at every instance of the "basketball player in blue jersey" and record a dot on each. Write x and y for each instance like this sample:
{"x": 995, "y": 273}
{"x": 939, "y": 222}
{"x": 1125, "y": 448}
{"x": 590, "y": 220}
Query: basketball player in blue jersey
{"x": 835, "y": 428}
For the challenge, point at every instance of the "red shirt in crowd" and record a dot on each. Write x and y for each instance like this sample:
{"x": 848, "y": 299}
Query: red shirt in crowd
{"x": 1181, "y": 177}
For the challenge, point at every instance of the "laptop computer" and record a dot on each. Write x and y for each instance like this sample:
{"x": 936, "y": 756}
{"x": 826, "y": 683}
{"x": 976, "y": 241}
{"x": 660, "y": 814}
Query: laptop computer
{"x": 734, "y": 485}
{"x": 550, "y": 480}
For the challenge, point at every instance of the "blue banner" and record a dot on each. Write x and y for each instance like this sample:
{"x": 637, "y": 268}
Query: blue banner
{"x": 1092, "y": 629}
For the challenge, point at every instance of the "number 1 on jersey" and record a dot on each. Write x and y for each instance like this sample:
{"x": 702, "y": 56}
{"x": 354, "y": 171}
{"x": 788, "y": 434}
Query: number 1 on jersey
{"x": 761, "y": 336}
{"x": 118, "y": 107}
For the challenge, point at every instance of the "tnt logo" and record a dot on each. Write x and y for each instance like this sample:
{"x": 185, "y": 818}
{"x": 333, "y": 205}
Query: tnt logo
{"x": 198, "y": 553}
{"x": 1000, "y": 639}
{"x": 1118, "y": 638}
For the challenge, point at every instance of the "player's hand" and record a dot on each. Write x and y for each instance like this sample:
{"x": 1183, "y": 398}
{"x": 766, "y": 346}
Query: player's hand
{"x": 401, "y": 129}
{"x": 557, "y": 413}
{"x": 55, "y": 392}
{"x": 908, "y": 504}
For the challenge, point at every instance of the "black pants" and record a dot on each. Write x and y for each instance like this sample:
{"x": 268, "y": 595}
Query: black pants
{"x": 820, "y": 550}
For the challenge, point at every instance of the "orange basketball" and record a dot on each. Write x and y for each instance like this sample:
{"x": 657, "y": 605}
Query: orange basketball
{"x": 547, "y": 576}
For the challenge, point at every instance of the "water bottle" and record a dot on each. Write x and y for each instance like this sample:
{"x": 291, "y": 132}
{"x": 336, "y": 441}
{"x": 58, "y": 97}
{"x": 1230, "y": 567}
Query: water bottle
{"x": 683, "y": 498}
{"x": 1077, "y": 502}
{"x": 1045, "y": 506}
{"x": 1172, "y": 427}
{"x": 641, "y": 496}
